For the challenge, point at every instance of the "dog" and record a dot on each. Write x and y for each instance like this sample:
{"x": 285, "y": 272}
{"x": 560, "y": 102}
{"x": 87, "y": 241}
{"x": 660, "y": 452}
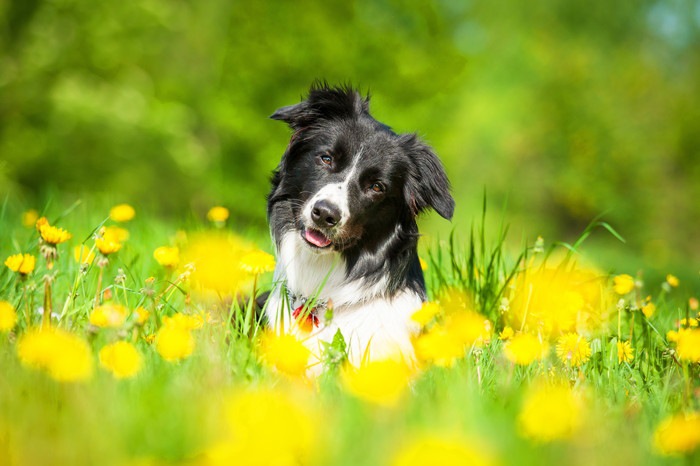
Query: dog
{"x": 342, "y": 213}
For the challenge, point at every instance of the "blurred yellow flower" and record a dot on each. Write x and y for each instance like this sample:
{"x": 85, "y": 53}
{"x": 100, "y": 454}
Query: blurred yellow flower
{"x": 114, "y": 234}
{"x": 167, "y": 256}
{"x": 8, "y": 316}
{"x": 382, "y": 382}
{"x": 21, "y": 263}
{"x": 678, "y": 434}
{"x": 107, "y": 247}
{"x": 550, "y": 302}
{"x": 573, "y": 349}
{"x": 688, "y": 345}
{"x": 183, "y": 321}
{"x": 550, "y": 413}
{"x": 142, "y": 315}
{"x": 218, "y": 214}
{"x": 121, "y": 359}
{"x": 623, "y": 284}
{"x": 469, "y": 327}
{"x": 174, "y": 343}
{"x": 258, "y": 262}
{"x": 285, "y": 352}
{"x": 216, "y": 259}
{"x": 525, "y": 348}
{"x": 506, "y": 333}
{"x": 439, "y": 347}
{"x": 428, "y": 311}
{"x": 625, "y": 352}
{"x": 423, "y": 264}
{"x": 122, "y": 213}
{"x": 83, "y": 254}
{"x": 40, "y": 222}
{"x": 66, "y": 357}
{"x": 450, "y": 450}
{"x": 688, "y": 322}
{"x": 672, "y": 280}
{"x": 109, "y": 315}
{"x": 291, "y": 427}
{"x": 648, "y": 310}
{"x": 29, "y": 218}
{"x": 54, "y": 235}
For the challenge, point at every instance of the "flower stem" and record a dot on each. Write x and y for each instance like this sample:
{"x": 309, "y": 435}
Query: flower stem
{"x": 47, "y": 302}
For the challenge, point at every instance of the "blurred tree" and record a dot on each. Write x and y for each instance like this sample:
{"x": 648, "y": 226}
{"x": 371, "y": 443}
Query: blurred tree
{"x": 569, "y": 109}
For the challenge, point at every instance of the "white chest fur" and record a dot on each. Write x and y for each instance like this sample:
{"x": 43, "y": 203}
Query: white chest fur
{"x": 373, "y": 326}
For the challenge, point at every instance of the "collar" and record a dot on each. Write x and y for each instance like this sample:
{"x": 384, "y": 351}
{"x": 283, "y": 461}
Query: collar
{"x": 305, "y": 310}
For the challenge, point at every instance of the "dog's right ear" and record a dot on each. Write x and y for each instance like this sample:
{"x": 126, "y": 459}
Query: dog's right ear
{"x": 296, "y": 116}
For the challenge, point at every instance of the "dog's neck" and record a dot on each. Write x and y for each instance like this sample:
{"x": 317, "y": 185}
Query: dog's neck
{"x": 322, "y": 275}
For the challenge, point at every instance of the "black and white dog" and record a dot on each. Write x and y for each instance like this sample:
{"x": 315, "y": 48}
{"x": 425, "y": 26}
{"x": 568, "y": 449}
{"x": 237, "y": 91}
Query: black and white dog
{"x": 342, "y": 213}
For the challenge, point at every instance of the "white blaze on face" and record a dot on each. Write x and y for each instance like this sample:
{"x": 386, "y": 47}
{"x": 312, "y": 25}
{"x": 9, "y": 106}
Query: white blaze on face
{"x": 335, "y": 193}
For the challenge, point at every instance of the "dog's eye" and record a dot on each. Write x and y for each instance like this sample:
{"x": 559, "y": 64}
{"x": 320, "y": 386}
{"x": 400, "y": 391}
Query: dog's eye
{"x": 327, "y": 159}
{"x": 377, "y": 187}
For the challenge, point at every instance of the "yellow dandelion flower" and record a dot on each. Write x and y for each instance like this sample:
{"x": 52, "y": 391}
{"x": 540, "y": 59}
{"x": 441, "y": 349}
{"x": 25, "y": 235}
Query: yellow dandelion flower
{"x": 183, "y": 321}
{"x": 121, "y": 359}
{"x": 573, "y": 349}
{"x": 29, "y": 218}
{"x": 623, "y": 284}
{"x": 218, "y": 214}
{"x": 428, "y": 311}
{"x": 382, "y": 382}
{"x": 443, "y": 450}
{"x": 8, "y": 316}
{"x": 439, "y": 347}
{"x": 54, "y": 235}
{"x": 40, "y": 222}
{"x": 688, "y": 345}
{"x": 423, "y": 264}
{"x": 109, "y": 315}
{"x": 688, "y": 322}
{"x": 83, "y": 254}
{"x": 174, "y": 343}
{"x": 524, "y": 349}
{"x": 290, "y": 423}
{"x": 648, "y": 310}
{"x": 672, "y": 280}
{"x": 506, "y": 333}
{"x": 167, "y": 256}
{"x": 556, "y": 301}
{"x": 679, "y": 434}
{"x": 122, "y": 213}
{"x": 142, "y": 315}
{"x": 469, "y": 328}
{"x": 115, "y": 234}
{"x": 21, "y": 263}
{"x": 216, "y": 260}
{"x": 258, "y": 262}
{"x": 107, "y": 247}
{"x": 285, "y": 352}
{"x": 66, "y": 357}
{"x": 625, "y": 352}
{"x": 550, "y": 413}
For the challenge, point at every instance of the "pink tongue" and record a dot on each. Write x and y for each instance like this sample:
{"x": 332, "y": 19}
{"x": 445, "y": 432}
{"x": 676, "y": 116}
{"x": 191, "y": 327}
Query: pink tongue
{"x": 316, "y": 238}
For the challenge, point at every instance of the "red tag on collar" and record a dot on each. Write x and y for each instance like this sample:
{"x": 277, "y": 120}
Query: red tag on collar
{"x": 306, "y": 321}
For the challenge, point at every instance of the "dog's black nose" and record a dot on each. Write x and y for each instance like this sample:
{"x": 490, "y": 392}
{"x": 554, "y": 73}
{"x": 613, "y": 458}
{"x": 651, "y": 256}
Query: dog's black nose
{"x": 325, "y": 214}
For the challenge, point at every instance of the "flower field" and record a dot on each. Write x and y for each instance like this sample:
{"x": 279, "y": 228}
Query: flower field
{"x": 126, "y": 340}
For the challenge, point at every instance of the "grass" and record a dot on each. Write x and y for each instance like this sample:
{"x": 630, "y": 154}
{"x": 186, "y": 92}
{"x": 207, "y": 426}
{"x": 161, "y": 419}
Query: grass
{"x": 232, "y": 400}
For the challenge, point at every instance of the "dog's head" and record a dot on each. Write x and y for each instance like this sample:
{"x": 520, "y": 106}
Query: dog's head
{"x": 348, "y": 177}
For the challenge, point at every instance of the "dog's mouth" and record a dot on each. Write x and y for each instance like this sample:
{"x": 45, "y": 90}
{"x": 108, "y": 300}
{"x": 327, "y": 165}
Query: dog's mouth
{"x": 316, "y": 238}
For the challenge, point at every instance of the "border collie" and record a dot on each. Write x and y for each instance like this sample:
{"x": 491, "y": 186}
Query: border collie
{"x": 342, "y": 213}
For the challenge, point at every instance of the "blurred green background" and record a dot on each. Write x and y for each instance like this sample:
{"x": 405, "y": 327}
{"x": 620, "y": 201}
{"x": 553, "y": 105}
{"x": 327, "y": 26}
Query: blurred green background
{"x": 560, "y": 111}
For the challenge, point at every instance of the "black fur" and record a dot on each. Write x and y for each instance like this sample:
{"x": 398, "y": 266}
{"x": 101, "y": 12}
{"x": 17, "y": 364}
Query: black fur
{"x": 381, "y": 237}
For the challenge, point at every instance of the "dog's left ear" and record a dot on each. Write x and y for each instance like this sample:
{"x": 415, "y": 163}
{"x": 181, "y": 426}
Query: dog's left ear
{"x": 296, "y": 116}
{"x": 427, "y": 184}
